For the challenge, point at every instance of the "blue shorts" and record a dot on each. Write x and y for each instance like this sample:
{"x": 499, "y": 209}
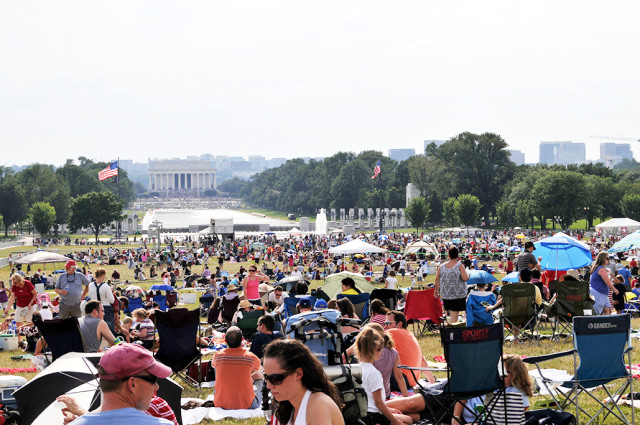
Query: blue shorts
{"x": 601, "y": 301}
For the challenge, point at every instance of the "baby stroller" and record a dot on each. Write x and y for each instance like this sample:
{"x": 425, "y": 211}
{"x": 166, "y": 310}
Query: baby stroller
{"x": 321, "y": 331}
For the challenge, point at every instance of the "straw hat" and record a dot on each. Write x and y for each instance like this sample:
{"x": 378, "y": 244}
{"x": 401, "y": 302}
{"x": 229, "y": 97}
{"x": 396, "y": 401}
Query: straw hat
{"x": 244, "y": 304}
{"x": 232, "y": 287}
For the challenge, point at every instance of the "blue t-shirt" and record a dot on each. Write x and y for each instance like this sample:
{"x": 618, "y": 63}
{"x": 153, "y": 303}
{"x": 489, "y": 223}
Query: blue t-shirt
{"x": 626, "y": 273}
{"x": 128, "y": 415}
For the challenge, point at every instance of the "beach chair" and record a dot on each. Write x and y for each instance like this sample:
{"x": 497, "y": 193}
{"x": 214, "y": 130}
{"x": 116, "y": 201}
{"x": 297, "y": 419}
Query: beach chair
{"x": 228, "y": 308}
{"x": 162, "y": 302}
{"x": 360, "y": 304}
{"x": 520, "y": 314}
{"x": 61, "y": 336}
{"x": 177, "y": 331}
{"x": 600, "y": 346}
{"x": 247, "y": 321}
{"x": 423, "y": 310}
{"x": 468, "y": 376}
{"x": 572, "y": 300}
{"x": 172, "y": 299}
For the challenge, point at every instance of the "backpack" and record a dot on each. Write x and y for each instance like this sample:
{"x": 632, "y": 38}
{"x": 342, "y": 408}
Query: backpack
{"x": 354, "y": 397}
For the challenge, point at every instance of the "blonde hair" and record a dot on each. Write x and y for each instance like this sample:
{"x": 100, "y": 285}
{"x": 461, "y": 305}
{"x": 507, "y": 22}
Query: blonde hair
{"x": 388, "y": 339}
{"x": 600, "y": 261}
{"x": 127, "y": 321}
{"x": 140, "y": 312}
{"x": 368, "y": 342}
{"x": 17, "y": 278}
{"x": 520, "y": 377}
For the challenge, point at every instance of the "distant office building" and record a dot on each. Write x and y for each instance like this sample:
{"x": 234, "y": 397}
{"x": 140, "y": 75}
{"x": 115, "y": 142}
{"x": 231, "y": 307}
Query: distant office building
{"x": 613, "y": 153}
{"x": 562, "y": 153}
{"x": 517, "y": 156}
{"x": 275, "y": 162}
{"x": 437, "y": 142}
{"x": 258, "y": 162}
{"x": 401, "y": 154}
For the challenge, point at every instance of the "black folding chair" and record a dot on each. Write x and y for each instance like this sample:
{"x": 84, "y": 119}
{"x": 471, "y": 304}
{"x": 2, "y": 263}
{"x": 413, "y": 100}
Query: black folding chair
{"x": 177, "y": 332}
{"x": 388, "y": 296}
{"x": 62, "y": 336}
{"x": 248, "y": 322}
{"x": 520, "y": 313}
{"x": 474, "y": 361}
{"x": 573, "y": 300}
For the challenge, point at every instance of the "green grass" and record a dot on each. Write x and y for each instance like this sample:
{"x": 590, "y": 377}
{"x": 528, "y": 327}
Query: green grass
{"x": 430, "y": 344}
{"x": 282, "y": 215}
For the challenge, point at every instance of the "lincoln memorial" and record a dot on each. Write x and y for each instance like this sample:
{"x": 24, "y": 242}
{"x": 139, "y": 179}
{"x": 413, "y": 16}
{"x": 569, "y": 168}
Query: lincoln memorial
{"x": 181, "y": 175}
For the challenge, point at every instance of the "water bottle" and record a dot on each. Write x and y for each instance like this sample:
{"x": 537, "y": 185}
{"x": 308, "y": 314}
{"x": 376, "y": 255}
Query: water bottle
{"x": 12, "y": 327}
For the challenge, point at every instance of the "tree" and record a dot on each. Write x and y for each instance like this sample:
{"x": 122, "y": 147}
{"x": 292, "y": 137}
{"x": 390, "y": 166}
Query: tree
{"x": 467, "y": 208}
{"x": 505, "y": 213}
{"x": 560, "y": 194}
{"x": 523, "y": 213}
{"x": 449, "y": 211}
{"x": 417, "y": 212}
{"x": 232, "y": 186}
{"x": 95, "y": 210}
{"x": 43, "y": 215}
{"x": 13, "y": 204}
{"x": 631, "y": 206}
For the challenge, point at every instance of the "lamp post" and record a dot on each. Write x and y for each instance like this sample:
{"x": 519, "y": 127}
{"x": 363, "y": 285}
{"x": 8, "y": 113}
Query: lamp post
{"x": 558, "y": 220}
{"x": 382, "y": 216}
{"x": 586, "y": 217}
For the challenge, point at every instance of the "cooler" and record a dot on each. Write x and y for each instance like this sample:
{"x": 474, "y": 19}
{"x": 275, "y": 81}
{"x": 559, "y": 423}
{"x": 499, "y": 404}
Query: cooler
{"x": 9, "y": 384}
{"x": 8, "y": 341}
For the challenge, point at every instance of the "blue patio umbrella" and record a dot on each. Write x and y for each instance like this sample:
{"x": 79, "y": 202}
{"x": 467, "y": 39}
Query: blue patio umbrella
{"x": 514, "y": 249}
{"x": 162, "y": 287}
{"x": 480, "y": 276}
{"x": 627, "y": 243}
{"x": 562, "y": 252}
{"x": 456, "y": 240}
{"x": 513, "y": 277}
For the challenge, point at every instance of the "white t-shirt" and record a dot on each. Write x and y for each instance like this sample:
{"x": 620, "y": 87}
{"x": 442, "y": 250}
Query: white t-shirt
{"x": 371, "y": 382}
{"x": 391, "y": 282}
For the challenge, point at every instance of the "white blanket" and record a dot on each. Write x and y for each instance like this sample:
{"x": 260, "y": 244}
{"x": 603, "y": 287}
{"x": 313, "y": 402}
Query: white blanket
{"x": 194, "y": 416}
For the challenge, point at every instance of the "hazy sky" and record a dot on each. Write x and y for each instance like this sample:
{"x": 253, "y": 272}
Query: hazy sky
{"x": 140, "y": 79}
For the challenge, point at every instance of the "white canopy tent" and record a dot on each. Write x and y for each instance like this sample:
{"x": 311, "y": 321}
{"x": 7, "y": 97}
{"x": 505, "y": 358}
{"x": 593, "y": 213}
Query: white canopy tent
{"x": 356, "y": 246}
{"x": 414, "y": 247}
{"x": 616, "y": 225}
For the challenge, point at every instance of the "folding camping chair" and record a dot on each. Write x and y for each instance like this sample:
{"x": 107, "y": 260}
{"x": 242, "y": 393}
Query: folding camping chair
{"x": 474, "y": 365}
{"x": 601, "y": 343}
{"x": 172, "y": 299}
{"x": 423, "y": 309}
{"x": 388, "y": 296}
{"x": 520, "y": 313}
{"x": 177, "y": 332}
{"x": 572, "y": 300}
{"x": 162, "y": 302}
{"x": 134, "y": 303}
{"x": 360, "y": 304}
{"x": 248, "y": 322}
{"x": 228, "y": 308}
{"x": 62, "y": 336}
{"x": 291, "y": 306}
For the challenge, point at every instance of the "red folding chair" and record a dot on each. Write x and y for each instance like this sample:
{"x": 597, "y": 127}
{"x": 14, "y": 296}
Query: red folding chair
{"x": 423, "y": 310}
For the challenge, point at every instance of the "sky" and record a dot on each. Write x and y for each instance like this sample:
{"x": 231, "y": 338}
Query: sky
{"x": 167, "y": 79}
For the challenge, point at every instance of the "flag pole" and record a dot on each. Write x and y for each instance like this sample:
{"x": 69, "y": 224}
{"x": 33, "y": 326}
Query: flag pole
{"x": 119, "y": 226}
{"x": 380, "y": 196}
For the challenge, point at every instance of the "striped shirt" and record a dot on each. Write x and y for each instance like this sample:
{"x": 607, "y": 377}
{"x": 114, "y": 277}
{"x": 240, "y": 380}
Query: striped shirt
{"x": 161, "y": 409}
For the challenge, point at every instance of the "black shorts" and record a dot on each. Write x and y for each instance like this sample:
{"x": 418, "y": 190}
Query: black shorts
{"x": 459, "y": 304}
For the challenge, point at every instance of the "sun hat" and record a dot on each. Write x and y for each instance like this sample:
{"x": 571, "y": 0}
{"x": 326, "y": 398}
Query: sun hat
{"x": 244, "y": 304}
{"x": 125, "y": 360}
{"x": 70, "y": 263}
{"x": 573, "y": 273}
{"x": 231, "y": 287}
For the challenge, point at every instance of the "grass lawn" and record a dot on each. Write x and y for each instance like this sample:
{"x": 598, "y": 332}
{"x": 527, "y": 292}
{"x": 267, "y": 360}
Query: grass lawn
{"x": 430, "y": 344}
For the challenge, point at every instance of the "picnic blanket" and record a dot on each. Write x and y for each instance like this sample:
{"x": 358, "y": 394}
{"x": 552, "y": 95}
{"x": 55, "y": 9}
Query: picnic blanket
{"x": 197, "y": 415}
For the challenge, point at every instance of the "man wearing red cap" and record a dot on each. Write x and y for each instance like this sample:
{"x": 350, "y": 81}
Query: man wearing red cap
{"x": 70, "y": 287}
{"x": 128, "y": 380}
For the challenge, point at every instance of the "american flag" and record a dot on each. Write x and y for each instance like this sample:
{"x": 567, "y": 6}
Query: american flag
{"x": 110, "y": 171}
{"x": 376, "y": 170}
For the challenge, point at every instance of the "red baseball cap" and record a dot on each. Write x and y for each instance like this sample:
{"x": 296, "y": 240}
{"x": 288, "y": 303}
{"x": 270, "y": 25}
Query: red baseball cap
{"x": 70, "y": 263}
{"x": 124, "y": 360}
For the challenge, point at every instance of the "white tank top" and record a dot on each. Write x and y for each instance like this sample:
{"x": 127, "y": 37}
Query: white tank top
{"x": 301, "y": 418}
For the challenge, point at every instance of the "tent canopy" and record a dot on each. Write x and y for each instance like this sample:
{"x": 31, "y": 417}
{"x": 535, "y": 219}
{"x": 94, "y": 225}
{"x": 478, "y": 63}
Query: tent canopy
{"x": 42, "y": 257}
{"x": 355, "y": 246}
{"x": 333, "y": 284}
{"x": 414, "y": 247}
{"x": 615, "y": 225}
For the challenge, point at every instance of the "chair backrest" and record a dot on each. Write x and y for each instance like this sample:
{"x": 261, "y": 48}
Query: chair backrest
{"x": 249, "y": 322}
{"x": 177, "y": 331}
{"x": 422, "y": 305}
{"x": 388, "y": 296}
{"x": 573, "y": 298}
{"x": 473, "y": 356}
{"x": 601, "y": 342}
{"x": 291, "y": 304}
{"x": 62, "y": 336}
{"x": 518, "y": 300}
{"x": 321, "y": 331}
{"x": 228, "y": 308}
{"x": 207, "y": 301}
{"x": 162, "y": 302}
{"x": 172, "y": 299}
{"x": 134, "y": 303}
{"x": 360, "y": 304}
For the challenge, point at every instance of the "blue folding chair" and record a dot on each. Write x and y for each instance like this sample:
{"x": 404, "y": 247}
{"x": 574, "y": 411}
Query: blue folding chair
{"x": 291, "y": 304}
{"x": 601, "y": 343}
{"x": 162, "y": 302}
{"x": 360, "y": 304}
{"x": 320, "y": 331}
{"x": 134, "y": 303}
{"x": 469, "y": 377}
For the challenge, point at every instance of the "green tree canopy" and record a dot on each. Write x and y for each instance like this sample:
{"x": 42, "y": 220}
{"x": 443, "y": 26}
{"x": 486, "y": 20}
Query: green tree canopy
{"x": 95, "y": 210}
{"x": 631, "y": 206}
{"x": 13, "y": 203}
{"x": 232, "y": 186}
{"x": 560, "y": 194}
{"x": 467, "y": 208}
{"x": 417, "y": 212}
{"x": 449, "y": 211}
{"x": 43, "y": 215}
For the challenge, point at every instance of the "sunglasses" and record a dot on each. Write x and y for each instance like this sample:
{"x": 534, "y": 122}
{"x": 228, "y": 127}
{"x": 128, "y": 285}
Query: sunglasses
{"x": 152, "y": 379}
{"x": 252, "y": 270}
{"x": 276, "y": 378}
{"x": 387, "y": 323}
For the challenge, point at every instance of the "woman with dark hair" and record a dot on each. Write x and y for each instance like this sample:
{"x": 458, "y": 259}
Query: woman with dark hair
{"x": 349, "y": 286}
{"x": 346, "y": 309}
{"x": 301, "y": 389}
{"x": 378, "y": 312}
{"x": 451, "y": 285}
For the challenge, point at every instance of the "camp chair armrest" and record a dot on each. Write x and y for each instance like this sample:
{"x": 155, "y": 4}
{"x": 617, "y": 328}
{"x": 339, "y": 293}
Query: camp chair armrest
{"x": 626, "y": 350}
{"x": 349, "y": 322}
{"x": 432, "y": 369}
{"x": 545, "y": 357}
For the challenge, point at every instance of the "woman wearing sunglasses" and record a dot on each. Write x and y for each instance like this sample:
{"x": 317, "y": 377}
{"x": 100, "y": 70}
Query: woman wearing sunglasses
{"x": 251, "y": 283}
{"x": 303, "y": 393}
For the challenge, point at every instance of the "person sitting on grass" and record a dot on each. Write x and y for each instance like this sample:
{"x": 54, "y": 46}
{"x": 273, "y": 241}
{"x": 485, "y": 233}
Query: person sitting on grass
{"x": 143, "y": 328}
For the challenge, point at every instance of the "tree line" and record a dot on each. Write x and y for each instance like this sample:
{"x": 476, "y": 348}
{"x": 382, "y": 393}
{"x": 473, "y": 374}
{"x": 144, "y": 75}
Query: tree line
{"x": 44, "y": 196}
{"x": 468, "y": 179}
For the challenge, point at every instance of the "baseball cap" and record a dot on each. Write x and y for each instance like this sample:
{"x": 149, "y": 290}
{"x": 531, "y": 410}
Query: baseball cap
{"x": 305, "y": 302}
{"x": 320, "y": 304}
{"x": 124, "y": 360}
{"x": 70, "y": 263}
